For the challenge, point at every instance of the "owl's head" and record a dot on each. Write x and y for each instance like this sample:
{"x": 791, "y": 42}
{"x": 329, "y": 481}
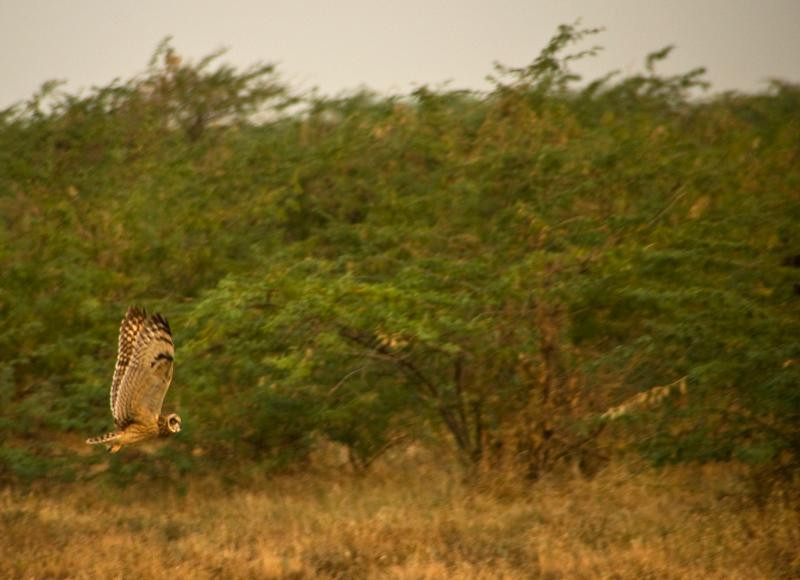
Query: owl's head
{"x": 169, "y": 424}
{"x": 174, "y": 423}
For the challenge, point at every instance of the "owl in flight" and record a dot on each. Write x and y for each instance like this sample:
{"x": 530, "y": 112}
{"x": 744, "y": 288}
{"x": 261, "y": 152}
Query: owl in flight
{"x": 141, "y": 379}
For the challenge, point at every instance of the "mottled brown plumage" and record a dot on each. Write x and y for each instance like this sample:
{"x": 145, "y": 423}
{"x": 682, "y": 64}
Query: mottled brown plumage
{"x": 141, "y": 379}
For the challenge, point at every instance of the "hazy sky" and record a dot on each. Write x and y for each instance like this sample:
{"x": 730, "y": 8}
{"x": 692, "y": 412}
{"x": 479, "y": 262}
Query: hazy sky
{"x": 340, "y": 45}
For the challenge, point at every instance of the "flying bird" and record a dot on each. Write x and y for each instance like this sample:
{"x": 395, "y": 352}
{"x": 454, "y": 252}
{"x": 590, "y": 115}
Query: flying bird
{"x": 141, "y": 379}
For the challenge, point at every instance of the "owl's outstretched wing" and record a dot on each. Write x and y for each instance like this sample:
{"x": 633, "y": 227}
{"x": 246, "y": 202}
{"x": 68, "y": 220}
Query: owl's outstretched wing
{"x": 129, "y": 331}
{"x": 144, "y": 368}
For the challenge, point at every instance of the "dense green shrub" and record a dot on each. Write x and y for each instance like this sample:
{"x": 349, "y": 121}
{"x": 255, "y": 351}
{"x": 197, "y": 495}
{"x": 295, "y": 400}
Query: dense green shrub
{"x": 493, "y": 269}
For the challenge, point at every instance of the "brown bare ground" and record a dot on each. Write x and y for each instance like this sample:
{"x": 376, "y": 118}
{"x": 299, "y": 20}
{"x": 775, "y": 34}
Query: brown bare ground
{"x": 680, "y": 523}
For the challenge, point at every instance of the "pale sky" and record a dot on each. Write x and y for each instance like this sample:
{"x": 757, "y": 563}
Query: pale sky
{"x": 341, "y": 45}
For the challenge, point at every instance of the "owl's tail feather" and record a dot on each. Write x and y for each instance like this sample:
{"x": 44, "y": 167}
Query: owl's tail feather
{"x": 107, "y": 439}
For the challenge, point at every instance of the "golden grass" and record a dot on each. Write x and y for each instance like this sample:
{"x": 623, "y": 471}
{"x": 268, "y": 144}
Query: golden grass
{"x": 422, "y": 523}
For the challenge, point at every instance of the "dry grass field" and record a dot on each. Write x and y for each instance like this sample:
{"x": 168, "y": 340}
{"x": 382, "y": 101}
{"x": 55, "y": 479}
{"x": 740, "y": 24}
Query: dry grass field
{"x": 423, "y": 523}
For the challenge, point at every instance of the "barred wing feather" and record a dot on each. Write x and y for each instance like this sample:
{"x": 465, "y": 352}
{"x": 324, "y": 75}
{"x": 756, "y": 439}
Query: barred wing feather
{"x": 129, "y": 331}
{"x": 144, "y": 368}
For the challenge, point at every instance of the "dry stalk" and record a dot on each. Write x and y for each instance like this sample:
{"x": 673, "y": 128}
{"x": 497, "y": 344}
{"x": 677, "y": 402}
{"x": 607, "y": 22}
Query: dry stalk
{"x": 648, "y": 399}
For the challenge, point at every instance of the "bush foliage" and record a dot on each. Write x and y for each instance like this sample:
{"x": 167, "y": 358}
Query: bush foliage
{"x": 491, "y": 270}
